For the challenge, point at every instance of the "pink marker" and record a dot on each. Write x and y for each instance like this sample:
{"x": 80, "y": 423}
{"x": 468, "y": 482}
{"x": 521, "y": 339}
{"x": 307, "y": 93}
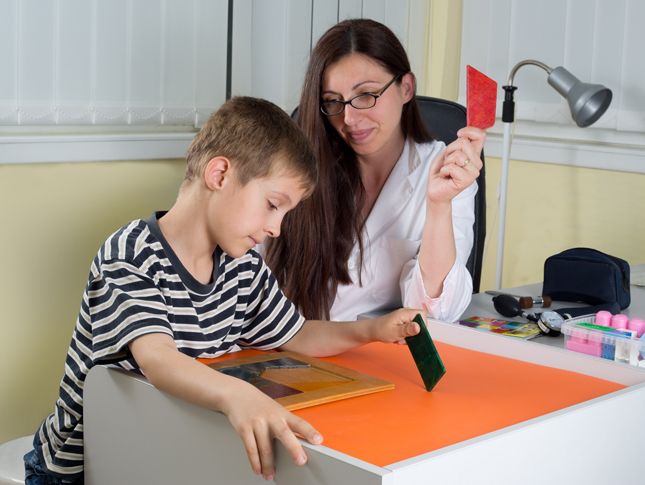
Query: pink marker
{"x": 637, "y": 324}
{"x": 603, "y": 318}
{"x": 619, "y": 321}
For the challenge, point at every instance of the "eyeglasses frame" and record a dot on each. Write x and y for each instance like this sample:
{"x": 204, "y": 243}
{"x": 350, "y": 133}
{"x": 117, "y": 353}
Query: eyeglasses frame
{"x": 345, "y": 103}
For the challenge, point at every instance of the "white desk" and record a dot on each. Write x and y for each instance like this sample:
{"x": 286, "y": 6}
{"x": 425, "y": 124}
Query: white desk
{"x": 137, "y": 434}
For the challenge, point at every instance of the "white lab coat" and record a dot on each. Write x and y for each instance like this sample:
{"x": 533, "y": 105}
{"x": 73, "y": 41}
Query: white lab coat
{"x": 391, "y": 276}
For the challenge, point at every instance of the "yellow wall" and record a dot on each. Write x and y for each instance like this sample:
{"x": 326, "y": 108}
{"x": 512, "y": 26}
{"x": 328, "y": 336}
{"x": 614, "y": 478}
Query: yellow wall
{"x": 54, "y": 217}
{"x": 553, "y": 207}
{"x": 550, "y": 207}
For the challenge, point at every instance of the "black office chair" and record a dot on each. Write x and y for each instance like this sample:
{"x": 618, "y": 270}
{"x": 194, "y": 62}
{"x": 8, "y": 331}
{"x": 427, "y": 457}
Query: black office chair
{"x": 444, "y": 119}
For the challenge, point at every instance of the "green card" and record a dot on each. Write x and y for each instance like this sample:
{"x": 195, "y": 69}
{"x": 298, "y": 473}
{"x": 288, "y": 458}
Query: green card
{"x": 426, "y": 356}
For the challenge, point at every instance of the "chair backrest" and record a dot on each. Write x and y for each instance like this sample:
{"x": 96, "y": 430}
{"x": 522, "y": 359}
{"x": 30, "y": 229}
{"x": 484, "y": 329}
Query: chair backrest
{"x": 444, "y": 119}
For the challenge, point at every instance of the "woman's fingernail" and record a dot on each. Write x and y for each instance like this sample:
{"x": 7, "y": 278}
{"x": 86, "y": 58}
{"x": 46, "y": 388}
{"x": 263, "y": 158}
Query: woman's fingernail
{"x": 301, "y": 460}
{"x": 317, "y": 438}
{"x": 268, "y": 478}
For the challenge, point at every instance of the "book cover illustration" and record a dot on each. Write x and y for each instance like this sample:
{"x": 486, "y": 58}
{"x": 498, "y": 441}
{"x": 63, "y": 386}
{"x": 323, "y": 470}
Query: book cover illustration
{"x": 297, "y": 381}
{"x": 523, "y": 330}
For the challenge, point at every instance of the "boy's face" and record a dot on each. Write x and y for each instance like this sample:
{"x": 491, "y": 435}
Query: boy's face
{"x": 245, "y": 216}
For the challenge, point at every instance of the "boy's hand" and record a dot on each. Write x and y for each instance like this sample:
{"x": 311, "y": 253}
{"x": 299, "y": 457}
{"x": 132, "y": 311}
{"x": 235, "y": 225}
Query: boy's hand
{"x": 396, "y": 326}
{"x": 258, "y": 419}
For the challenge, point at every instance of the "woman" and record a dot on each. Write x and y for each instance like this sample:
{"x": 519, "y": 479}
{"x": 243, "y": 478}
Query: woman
{"x": 390, "y": 222}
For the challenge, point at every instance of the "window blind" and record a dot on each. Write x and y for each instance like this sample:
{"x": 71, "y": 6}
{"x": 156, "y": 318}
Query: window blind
{"x": 272, "y": 40}
{"x": 111, "y": 62}
{"x": 598, "y": 41}
{"x": 164, "y": 62}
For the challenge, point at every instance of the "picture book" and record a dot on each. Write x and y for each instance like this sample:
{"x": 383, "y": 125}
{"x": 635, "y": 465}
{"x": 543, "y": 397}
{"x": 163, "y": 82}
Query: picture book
{"x": 521, "y": 330}
{"x": 297, "y": 381}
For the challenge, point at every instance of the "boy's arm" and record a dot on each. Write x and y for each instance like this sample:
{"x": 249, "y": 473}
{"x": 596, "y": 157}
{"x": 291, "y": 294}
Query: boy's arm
{"x": 320, "y": 339}
{"x": 256, "y": 417}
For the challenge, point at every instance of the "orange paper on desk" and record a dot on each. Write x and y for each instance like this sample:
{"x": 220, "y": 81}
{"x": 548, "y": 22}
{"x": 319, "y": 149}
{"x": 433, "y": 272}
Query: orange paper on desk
{"x": 481, "y": 98}
{"x": 481, "y": 393}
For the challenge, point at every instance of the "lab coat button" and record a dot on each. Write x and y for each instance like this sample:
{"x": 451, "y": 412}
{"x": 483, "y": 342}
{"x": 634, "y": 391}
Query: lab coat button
{"x": 351, "y": 264}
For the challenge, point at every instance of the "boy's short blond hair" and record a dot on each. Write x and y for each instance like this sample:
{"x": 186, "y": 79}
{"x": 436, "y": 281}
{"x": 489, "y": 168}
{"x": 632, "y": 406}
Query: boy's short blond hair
{"x": 258, "y": 138}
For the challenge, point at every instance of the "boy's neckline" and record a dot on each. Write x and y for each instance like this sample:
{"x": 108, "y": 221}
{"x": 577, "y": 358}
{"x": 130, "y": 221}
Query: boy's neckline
{"x": 188, "y": 279}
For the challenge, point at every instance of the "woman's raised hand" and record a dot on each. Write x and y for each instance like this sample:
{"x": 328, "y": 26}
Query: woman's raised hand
{"x": 457, "y": 167}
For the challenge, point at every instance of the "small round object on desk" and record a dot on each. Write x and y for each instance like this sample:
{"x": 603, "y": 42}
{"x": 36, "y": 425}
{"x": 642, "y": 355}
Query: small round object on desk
{"x": 637, "y": 324}
{"x": 550, "y": 323}
{"x": 603, "y": 318}
{"x": 619, "y": 321}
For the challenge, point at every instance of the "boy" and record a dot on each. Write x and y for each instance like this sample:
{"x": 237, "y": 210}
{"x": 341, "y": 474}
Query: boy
{"x": 188, "y": 283}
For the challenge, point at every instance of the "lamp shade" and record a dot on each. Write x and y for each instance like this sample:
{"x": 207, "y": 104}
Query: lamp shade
{"x": 587, "y": 102}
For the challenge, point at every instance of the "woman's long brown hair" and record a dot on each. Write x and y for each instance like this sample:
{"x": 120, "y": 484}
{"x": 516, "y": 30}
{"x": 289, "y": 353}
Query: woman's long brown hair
{"x": 309, "y": 258}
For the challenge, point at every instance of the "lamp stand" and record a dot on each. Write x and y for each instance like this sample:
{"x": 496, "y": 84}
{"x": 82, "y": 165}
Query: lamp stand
{"x": 506, "y": 155}
{"x": 587, "y": 103}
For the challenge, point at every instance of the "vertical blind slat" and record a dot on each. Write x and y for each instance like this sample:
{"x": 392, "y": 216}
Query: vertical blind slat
{"x": 297, "y": 50}
{"x": 242, "y": 34}
{"x": 396, "y": 18}
{"x": 9, "y": 62}
{"x": 268, "y": 48}
{"x": 325, "y": 14}
{"x": 631, "y": 116}
{"x": 179, "y": 63}
{"x": 374, "y": 9}
{"x": 36, "y": 68}
{"x": 146, "y": 62}
{"x": 74, "y": 61}
{"x": 210, "y": 51}
{"x": 111, "y": 62}
{"x": 350, "y": 9}
{"x": 606, "y": 69}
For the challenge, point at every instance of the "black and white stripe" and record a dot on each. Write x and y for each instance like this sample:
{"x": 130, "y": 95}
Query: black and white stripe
{"x": 138, "y": 286}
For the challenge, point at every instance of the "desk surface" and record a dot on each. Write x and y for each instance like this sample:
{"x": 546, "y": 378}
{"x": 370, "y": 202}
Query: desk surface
{"x": 479, "y": 393}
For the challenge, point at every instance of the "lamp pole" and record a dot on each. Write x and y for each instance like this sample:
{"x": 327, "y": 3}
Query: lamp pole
{"x": 587, "y": 103}
{"x": 508, "y": 117}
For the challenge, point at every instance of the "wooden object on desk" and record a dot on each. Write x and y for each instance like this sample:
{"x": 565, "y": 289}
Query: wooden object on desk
{"x": 322, "y": 382}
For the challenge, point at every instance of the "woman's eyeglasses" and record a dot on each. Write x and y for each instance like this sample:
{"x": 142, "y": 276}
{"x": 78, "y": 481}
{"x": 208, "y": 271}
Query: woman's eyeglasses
{"x": 362, "y": 101}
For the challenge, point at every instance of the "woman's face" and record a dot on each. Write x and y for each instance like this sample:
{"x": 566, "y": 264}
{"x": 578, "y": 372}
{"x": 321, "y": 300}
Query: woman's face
{"x": 376, "y": 131}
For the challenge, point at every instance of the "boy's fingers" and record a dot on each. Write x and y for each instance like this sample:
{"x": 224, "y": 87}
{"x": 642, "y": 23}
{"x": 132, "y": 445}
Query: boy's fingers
{"x": 265, "y": 450}
{"x": 411, "y": 329}
{"x": 304, "y": 429}
{"x": 251, "y": 447}
{"x": 292, "y": 444}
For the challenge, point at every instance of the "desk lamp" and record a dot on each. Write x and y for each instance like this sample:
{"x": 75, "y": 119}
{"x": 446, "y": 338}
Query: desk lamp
{"x": 587, "y": 103}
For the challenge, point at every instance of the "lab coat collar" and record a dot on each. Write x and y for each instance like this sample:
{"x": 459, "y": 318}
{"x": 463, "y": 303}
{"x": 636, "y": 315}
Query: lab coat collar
{"x": 396, "y": 191}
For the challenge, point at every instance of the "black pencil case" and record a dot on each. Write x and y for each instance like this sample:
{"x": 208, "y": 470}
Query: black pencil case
{"x": 587, "y": 275}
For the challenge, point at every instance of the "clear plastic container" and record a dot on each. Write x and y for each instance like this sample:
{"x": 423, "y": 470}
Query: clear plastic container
{"x": 620, "y": 345}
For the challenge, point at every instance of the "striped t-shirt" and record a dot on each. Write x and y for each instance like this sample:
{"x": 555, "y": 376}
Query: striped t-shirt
{"x": 138, "y": 286}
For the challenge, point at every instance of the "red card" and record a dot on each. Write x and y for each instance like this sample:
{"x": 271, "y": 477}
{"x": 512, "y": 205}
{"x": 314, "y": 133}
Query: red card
{"x": 481, "y": 97}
